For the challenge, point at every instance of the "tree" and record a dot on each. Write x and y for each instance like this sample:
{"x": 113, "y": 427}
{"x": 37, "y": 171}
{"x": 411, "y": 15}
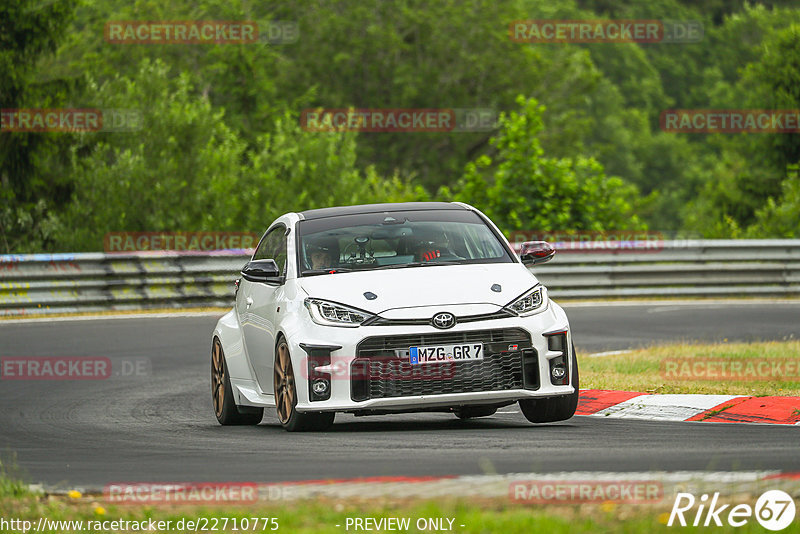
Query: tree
{"x": 780, "y": 218}
{"x": 185, "y": 169}
{"x": 753, "y": 169}
{"x": 177, "y": 171}
{"x": 774, "y": 83}
{"x": 30, "y": 31}
{"x": 521, "y": 188}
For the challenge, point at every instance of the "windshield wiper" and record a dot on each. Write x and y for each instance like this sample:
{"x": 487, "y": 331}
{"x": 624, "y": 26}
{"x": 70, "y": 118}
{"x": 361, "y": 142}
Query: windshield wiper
{"x": 330, "y": 270}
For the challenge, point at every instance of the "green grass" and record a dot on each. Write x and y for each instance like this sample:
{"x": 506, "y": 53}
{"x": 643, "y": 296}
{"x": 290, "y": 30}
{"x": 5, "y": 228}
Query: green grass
{"x": 11, "y": 485}
{"x": 646, "y": 369}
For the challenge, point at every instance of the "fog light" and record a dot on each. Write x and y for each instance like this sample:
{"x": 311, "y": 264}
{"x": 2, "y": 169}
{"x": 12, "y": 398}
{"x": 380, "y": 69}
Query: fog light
{"x": 559, "y": 372}
{"x": 320, "y": 386}
{"x": 319, "y": 382}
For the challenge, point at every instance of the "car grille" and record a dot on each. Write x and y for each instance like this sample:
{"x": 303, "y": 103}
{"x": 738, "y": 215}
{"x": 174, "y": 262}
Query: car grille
{"x": 382, "y": 369}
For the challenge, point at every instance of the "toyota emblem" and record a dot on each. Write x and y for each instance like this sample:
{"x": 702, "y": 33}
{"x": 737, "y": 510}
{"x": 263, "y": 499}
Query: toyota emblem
{"x": 443, "y": 320}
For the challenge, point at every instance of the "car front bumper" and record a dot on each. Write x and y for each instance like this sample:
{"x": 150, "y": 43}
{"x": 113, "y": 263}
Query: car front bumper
{"x": 345, "y": 341}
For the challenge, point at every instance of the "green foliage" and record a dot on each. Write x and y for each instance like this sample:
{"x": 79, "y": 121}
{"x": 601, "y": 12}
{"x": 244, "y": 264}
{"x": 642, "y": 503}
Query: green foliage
{"x": 523, "y": 189}
{"x": 295, "y": 170}
{"x": 756, "y": 169}
{"x": 11, "y": 483}
{"x": 221, "y": 147}
{"x": 185, "y": 169}
{"x": 163, "y": 177}
{"x": 30, "y": 30}
{"x": 780, "y": 218}
{"x": 420, "y": 54}
{"x": 774, "y": 83}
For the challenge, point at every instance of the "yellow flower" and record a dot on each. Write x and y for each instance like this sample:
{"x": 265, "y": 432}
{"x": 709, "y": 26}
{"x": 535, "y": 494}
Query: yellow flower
{"x": 608, "y": 506}
{"x": 663, "y": 518}
{"x": 99, "y": 510}
{"x": 74, "y": 494}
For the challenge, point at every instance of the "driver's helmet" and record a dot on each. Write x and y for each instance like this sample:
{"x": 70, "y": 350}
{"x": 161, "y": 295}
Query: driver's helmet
{"x": 321, "y": 253}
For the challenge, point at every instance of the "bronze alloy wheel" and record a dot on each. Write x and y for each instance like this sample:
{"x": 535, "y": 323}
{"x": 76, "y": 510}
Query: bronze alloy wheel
{"x": 225, "y": 408}
{"x": 286, "y": 397}
{"x": 284, "y": 384}
{"x": 217, "y": 378}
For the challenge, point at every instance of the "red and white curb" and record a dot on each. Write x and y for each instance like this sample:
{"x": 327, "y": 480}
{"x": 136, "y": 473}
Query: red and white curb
{"x": 690, "y": 407}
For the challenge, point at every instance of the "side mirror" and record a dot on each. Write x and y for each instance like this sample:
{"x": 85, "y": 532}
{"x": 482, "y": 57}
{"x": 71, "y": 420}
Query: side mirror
{"x": 262, "y": 271}
{"x": 535, "y": 252}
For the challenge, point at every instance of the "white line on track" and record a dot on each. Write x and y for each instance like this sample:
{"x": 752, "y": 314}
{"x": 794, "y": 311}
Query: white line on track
{"x": 608, "y": 353}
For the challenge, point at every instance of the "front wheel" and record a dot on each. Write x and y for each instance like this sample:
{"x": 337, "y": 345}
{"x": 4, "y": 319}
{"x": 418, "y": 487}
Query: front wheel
{"x": 222, "y": 394}
{"x": 549, "y": 410}
{"x": 286, "y": 397}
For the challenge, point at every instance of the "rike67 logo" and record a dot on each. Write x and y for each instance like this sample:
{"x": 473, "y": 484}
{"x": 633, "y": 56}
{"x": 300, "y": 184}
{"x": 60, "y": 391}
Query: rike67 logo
{"x": 774, "y": 510}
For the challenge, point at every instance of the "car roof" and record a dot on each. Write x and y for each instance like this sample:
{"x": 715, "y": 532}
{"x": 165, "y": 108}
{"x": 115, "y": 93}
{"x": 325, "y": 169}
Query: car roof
{"x": 378, "y": 208}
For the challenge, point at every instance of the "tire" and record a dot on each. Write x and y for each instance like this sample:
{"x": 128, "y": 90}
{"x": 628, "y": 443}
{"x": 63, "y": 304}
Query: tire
{"x": 469, "y": 412}
{"x": 286, "y": 397}
{"x": 222, "y": 393}
{"x": 549, "y": 410}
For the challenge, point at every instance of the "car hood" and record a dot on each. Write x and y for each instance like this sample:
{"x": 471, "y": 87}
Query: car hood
{"x": 462, "y": 289}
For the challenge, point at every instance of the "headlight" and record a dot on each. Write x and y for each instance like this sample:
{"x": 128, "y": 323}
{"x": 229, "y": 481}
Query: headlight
{"x": 333, "y": 314}
{"x": 530, "y": 302}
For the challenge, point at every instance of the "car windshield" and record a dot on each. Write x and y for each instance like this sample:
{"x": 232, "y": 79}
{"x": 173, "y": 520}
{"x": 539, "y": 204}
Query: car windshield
{"x": 396, "y": 240}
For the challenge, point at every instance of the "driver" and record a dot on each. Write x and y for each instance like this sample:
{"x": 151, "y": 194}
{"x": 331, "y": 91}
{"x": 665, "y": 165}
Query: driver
{"x": 432, "y": 244}
{"x": 322, "y": 254}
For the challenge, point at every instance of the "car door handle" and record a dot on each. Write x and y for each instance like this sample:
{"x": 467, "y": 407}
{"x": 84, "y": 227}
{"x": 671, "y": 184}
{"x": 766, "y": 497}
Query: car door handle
{"x": 249, "y": 301}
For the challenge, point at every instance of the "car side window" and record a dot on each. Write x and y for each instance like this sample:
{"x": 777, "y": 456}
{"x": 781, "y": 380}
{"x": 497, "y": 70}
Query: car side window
{"x": 273, "y": 247}
{"x": 263, "y": 250}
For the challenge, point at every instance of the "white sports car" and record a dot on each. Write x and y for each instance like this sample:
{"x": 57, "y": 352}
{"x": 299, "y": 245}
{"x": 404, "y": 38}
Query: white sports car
{"x": 389, "y": 308}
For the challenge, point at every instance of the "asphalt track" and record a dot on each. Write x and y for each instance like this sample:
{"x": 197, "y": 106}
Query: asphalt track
{"x": 160, "y": 427}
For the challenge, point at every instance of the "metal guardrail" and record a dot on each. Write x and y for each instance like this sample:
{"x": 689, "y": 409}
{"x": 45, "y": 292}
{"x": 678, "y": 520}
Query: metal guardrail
{"x": 63, "y": 283}
{"x": 59, "y": 283}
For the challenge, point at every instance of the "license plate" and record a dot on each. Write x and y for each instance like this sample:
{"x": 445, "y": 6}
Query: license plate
{"x": 445, "y": 353}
